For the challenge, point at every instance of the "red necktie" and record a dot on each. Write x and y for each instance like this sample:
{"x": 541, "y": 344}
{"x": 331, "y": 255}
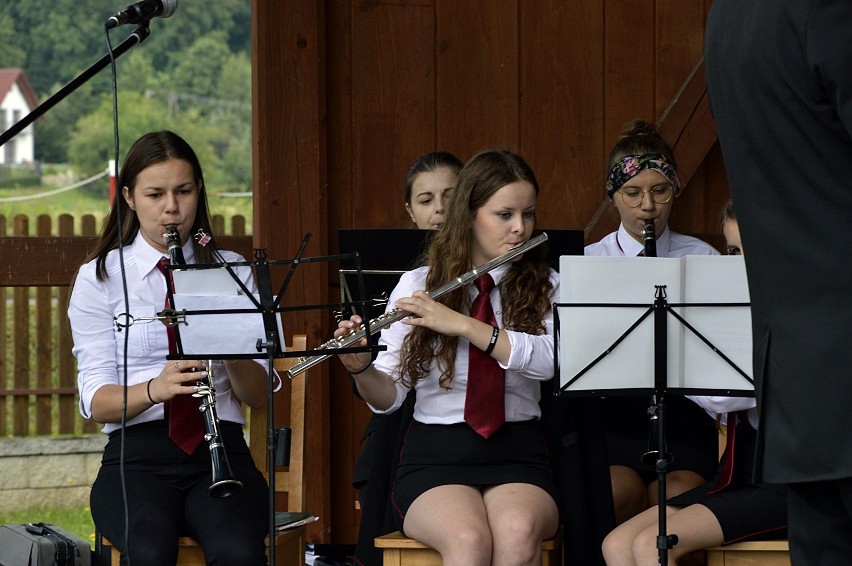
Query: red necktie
{"x": 186, "y": 424}
{"x": 726, "y": 474}
{"x": 484, "y": 406}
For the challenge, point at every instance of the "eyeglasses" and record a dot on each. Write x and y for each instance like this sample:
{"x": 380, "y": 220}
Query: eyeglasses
{"x": 633, "y": 196}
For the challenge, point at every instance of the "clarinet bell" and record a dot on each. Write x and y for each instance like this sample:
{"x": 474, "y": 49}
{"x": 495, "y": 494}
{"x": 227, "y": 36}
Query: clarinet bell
{"x": 224, "y": 484}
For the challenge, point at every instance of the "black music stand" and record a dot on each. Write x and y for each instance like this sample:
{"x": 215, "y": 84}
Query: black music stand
{"x": 386, "y": 253}
{"x": 268, "y": 340}
{"x": 596, "y": 348}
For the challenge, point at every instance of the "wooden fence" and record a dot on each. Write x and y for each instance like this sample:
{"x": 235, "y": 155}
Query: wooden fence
{"x": 38, "y": 378}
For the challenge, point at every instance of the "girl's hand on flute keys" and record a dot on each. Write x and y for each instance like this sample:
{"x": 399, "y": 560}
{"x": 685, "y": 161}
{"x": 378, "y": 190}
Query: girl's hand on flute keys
{"x": 352, "y": 362}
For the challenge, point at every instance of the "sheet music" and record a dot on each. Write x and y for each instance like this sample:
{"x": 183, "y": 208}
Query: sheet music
{"x": 220, "y": 333}
{"x": 205, "y": 282}
{"x": 586, "y": 332}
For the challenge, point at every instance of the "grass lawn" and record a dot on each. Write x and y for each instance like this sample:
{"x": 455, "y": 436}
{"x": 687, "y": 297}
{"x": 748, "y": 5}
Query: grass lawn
{"x": 76, "y": 520}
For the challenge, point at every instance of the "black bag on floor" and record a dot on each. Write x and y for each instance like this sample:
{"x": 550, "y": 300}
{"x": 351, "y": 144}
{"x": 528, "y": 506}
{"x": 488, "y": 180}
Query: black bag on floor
{"x": 40, "y": 544}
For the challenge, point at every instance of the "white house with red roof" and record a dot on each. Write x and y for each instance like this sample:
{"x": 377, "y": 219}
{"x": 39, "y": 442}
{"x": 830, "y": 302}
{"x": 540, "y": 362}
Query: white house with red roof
{"x": 17, "y": 99}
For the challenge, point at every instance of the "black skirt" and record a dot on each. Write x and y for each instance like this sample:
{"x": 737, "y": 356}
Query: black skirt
{"x": 745, "y": 511}
{"x": 434, "y": 455}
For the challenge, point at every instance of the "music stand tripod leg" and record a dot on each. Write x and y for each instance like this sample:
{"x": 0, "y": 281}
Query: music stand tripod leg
{"x": 661, "y": 458}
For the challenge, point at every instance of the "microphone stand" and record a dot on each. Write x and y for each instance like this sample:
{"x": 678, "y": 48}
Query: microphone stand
{"x": 138, "y": 36}
{"x": 660, "y": 457}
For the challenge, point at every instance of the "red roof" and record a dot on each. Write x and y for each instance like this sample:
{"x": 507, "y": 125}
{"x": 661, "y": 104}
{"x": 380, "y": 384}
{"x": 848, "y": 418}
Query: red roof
{"x": 8, "y": 77}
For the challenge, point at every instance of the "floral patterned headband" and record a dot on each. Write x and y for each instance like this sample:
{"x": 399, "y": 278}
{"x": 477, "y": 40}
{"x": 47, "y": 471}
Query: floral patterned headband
{"x": 631, "y": 165}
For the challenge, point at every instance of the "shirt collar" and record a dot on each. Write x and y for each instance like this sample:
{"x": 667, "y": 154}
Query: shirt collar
{"x": 632, "y": 247}
{"x": 147, "y": 257}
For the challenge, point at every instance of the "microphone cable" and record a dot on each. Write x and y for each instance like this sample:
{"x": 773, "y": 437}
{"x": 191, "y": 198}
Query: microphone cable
{"x": 120, "y": 231}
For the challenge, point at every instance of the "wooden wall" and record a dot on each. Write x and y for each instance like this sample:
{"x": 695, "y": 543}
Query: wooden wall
{"x": 348, "y": 92}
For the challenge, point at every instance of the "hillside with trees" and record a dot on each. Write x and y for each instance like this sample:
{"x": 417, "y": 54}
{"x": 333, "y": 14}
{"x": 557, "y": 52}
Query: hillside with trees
{"x": 191, "y": 75}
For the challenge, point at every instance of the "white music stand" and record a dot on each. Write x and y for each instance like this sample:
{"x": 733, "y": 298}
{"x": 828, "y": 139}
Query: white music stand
{"x": 657, "y": 326}
{"x": 219, "y": 317}
{"x": 606, "y": 334}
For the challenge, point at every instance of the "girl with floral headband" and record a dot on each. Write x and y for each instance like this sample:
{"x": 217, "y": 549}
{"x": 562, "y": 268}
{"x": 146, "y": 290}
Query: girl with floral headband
{"x": 642, "y": 184}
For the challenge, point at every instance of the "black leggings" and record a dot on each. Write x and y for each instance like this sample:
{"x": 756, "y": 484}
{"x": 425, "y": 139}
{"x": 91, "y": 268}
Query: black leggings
{"x": 167, "y": 498}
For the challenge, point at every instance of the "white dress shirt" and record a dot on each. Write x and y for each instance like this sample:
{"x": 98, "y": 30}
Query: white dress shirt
{"x": 669, "y": 244}
{"x": 99, "y": 343}
{"x": 530, "y": 361}
{"x": 719, "y": 405}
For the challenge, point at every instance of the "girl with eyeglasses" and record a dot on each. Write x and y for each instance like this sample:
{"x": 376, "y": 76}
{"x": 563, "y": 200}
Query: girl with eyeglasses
{"x": 642, "y": 184}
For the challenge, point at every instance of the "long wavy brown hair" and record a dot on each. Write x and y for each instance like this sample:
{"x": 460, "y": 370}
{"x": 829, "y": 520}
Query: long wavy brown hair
{"x": 524, "y": 289}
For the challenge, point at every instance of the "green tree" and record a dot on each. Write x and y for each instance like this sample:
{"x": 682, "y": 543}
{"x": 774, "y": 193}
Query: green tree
{"x": 136, "y": 73}
{"x": 60, "y": 42}
{"x": 53, "y": 129}
{"x": 11, "y": 54}
{"x": 91, "y": 146}
{"x": 195, "y": 19}
{"x": 235, "y": 80}
{"x": 192, "y": 74}
{"x": 198, "y": 72}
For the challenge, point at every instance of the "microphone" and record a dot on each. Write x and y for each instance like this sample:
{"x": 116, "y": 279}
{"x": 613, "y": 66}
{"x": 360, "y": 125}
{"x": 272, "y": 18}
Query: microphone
{"x": 649, "y": 238}
{"x": 142, "y": 12}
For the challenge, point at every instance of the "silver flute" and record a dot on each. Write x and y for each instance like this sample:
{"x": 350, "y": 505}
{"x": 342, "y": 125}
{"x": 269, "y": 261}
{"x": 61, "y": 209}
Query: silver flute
{"x": 224, "y": 484}
{"x": 305, "y": 363}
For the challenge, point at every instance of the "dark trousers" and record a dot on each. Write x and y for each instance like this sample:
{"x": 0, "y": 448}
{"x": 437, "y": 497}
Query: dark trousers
{"x": 167, "y": 498}
{"x": 820, "y": 522}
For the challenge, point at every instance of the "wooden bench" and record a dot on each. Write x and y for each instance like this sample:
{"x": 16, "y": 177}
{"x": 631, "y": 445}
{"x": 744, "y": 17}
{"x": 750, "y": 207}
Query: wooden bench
{"x": 756, "y": 553}
{"x": 399, "y": 550}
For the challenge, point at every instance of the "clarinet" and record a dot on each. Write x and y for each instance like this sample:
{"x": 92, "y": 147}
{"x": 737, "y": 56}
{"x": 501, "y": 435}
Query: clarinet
{"x": 649, "y": 238}
{"x": 224, "y": 484}
{"x": 305, "y": 363}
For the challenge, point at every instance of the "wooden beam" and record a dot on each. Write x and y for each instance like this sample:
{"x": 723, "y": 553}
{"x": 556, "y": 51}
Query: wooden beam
{"x": 290, "y": 198}
{"x": 688, "y": 125}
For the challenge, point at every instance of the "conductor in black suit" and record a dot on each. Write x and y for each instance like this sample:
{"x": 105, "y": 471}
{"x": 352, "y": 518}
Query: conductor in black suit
{"x": 779, "y": 77}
